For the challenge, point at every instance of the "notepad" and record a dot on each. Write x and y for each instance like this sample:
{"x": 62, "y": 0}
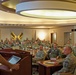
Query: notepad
{"x": 50, "y": 62}
{"x": 14, "y": 59}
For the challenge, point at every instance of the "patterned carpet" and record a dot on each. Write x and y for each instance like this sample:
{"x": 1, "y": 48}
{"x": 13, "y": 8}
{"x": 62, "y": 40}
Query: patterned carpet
{"x": 35, "y": 72}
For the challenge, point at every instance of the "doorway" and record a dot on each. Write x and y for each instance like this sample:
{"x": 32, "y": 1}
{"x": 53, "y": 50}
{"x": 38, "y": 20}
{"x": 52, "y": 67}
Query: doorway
{"x": 67, "y": 37}
{"x": 53, "y": 37}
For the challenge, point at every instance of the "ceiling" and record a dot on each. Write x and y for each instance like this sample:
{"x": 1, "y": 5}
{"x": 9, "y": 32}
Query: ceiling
{"x": 9, "y": 18}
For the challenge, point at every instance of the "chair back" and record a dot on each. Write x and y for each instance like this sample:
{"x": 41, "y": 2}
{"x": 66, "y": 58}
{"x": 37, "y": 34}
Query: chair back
{"x": 75, "y": 71}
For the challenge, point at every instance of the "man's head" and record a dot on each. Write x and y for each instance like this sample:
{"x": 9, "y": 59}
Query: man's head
{"x": 55, "y": 45}
{"x": 67, "y": 50}
{"x": 41, "y": 47}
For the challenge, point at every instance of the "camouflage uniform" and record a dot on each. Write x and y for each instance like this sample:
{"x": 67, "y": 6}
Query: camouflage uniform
{"x": 68, "y": 65}
{"x": 39, "y": 56}
{"x": 53, "y": 53}
{"x": 74, "y": 50}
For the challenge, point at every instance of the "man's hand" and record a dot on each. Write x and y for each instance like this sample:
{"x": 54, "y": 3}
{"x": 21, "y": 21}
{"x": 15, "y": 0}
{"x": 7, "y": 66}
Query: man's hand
{"x": 56, "y": 63}
{"x": 15, "y": 66}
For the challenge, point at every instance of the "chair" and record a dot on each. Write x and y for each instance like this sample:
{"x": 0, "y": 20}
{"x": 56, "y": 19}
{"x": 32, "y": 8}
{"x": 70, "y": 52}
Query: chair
{"x": 69, "y": 73}
{"x": 66, "y": 73}
{"x": 75, "y": 71}
{"x": 35, "y": 65}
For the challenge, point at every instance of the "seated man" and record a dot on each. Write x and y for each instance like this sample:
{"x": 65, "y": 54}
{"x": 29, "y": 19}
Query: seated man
{"x": 54, "y": 52}
{"x": 9, "y": 65}
{"x": 39, "y": 55}
{"x": 68, "y": 63}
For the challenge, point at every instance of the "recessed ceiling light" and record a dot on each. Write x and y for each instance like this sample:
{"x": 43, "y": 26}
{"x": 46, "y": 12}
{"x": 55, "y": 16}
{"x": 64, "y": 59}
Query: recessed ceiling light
{"x": 1, "y": 0}
{"x": 47, "y": 9}
{"x": 50, "y": 14}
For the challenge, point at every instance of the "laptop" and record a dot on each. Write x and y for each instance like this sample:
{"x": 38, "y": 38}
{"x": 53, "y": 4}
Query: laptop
{"x": 14, "y": 59}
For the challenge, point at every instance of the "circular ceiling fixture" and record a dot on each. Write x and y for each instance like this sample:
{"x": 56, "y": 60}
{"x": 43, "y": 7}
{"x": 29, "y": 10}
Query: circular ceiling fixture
{"x": 8, "y": 5}
{"x": 50, "y": 9}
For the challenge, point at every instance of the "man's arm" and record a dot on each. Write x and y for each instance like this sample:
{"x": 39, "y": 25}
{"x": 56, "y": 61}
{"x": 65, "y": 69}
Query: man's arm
{"x": 6, "y": 63}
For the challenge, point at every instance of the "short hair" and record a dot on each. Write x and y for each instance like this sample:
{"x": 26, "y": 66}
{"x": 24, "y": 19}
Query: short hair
{"x": 53, "y": 44}
{"x": 68, "y": 47}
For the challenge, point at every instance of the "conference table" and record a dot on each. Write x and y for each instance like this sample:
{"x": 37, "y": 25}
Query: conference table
{"x": 48, "y": 68}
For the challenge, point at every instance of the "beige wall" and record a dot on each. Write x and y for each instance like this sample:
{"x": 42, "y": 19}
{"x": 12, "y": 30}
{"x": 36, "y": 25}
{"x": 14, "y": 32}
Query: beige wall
{"x": 27, "y": 33}
{"x": 5, "y": 33}
{"x": 34, "y": 33}
{"x": 60, "y": 33}
{"x": 74, "y": 34}
{"x": 43, "y": 32}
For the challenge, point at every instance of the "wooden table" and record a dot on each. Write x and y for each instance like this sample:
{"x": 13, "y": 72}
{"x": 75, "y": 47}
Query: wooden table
{"x": 46, "y": 68}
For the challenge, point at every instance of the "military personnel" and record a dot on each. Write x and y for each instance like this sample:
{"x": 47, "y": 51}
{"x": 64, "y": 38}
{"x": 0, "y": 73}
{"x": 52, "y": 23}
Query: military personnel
{"x": 1, "y": 44}
{"x": 28, "y": 44}
{"x": 68, "y": 63}
{"x": 35, "y": 45}
{"x": 68, "y": 43}
{"x": 54, "y": 52}
{"x": 39, "y": 55}
{"x": 16, "y": 45}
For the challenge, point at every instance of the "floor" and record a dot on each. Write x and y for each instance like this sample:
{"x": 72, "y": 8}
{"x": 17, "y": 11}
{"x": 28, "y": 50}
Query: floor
{"x": 34, "y": 71}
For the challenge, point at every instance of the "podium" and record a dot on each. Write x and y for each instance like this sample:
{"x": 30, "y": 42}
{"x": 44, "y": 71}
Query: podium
{"x": 25, "y": 62}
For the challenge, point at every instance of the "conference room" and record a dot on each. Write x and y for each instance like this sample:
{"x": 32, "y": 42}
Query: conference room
{"x": 25, "y": 25}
